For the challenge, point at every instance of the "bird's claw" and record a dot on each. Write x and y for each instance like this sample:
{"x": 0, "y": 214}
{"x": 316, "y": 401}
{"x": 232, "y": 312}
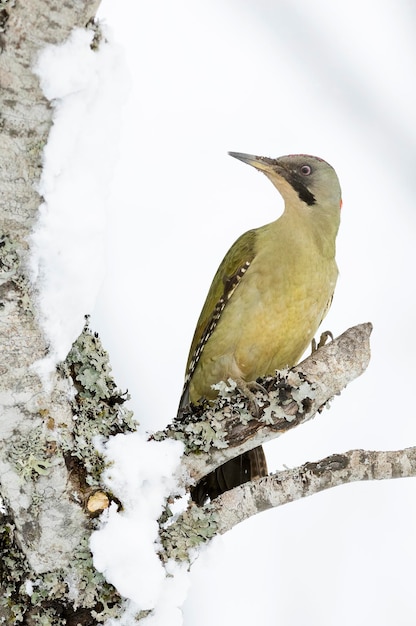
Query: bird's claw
{"x": 322, "y": 340}
{"x": 248, "y": 389}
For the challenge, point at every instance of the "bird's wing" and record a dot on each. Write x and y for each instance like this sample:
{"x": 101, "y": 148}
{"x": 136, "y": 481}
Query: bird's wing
{"x": 231, "y": 270}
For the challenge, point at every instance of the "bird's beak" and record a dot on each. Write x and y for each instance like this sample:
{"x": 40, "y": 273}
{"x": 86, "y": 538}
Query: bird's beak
{"x": 261, "y": 163}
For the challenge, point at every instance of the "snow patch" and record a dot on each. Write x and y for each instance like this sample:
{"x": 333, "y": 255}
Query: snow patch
{"x": 141, "y": 474}
{"x": 86, "y": 89}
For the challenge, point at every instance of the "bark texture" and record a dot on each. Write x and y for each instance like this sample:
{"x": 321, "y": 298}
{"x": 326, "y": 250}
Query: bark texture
{"x": 43, "y": 522}
{"x": 199, "y": 524}
{"x": 290, "y": 485}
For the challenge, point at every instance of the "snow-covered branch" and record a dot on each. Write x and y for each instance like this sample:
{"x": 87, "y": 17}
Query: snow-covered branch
{"x": 293, "y": 397}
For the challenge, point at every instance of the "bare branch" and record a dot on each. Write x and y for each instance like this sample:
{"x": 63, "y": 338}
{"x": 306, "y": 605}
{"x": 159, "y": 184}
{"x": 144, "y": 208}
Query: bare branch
{"x": 198, "y": 524}
{"x": 294, "y": 397}
{"x": 290, "y": 485}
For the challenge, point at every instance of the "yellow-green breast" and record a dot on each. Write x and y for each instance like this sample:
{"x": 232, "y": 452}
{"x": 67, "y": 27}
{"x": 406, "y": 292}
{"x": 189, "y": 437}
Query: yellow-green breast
{"x": 274, "y": 312}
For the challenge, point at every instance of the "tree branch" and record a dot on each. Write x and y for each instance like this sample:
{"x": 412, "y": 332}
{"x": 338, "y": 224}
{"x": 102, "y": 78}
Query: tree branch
{"x": 219, "y": 433}
{"x": 290, "y": 485}
{"x": 198, "y": 524}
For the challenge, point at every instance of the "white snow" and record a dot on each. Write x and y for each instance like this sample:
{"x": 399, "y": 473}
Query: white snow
{"x": 29, "y": 587}
{"x": 142, "y": 475}
{"x": 86, "y": 89}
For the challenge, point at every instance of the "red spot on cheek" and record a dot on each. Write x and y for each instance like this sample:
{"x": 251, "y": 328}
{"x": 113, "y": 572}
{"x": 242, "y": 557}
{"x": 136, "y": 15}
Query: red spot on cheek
{"x": 340, "y": 204}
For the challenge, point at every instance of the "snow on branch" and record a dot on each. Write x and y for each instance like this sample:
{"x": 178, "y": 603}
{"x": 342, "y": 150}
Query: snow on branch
{"x": 213, "y": 435}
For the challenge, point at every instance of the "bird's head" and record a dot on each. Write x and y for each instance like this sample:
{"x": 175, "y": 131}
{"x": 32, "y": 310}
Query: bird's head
{"x": 301, "y": 179}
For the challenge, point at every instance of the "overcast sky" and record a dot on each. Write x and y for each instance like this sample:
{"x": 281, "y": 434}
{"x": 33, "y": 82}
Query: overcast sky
{"x": 272, "y": 78}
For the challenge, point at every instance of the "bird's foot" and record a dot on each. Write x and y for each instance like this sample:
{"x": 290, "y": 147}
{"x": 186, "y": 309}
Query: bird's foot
{"x": 248, "y": 389}
{"x": 322, "y": 340}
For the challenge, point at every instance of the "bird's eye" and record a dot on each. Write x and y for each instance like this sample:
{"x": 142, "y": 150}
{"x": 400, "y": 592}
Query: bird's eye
{"x": 305, "y": 170}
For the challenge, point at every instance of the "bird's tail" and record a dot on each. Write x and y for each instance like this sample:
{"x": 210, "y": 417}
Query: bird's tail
{"x": 251, "y": 464}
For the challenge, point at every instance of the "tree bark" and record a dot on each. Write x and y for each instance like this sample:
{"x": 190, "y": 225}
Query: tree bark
{"x": 199, "y": 524}
{"x": 290, "y": 485}
{"x": 45, "y": 484}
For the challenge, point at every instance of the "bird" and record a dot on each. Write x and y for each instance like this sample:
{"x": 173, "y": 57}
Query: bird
{"x": 267, "y": 299}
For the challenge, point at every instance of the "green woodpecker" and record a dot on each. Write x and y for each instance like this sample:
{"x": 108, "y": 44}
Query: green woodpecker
{"x": 268, "y": 297}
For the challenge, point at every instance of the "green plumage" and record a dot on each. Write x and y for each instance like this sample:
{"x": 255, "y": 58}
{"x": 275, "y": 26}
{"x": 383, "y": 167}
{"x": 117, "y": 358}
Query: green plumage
{"x": 222, "y": 288}
{"x": 273, "y": 287}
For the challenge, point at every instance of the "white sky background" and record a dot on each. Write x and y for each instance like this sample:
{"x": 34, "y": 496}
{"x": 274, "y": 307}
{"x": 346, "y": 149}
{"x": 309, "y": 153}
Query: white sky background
{"x": 271, "y": 78}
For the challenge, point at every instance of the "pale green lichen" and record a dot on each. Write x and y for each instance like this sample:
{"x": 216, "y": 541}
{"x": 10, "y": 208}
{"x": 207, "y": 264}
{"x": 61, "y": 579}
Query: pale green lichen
{"x": 99, "y": 409}
{"x": 286, "y": 396}
{"x": 200, "y": 427}
{"x": 291, "y": 396}
{"x": 46, "y": 616}
{"x": 197, "y": 436}
{"x": 271, "y": 414}
{"x": 10, "y": 270}
{"x": 14, "y": 572}
{"x": 29, "y": 454}
{"x": 47, "y": 597}
{"x": 195, "y": 527}
{"x": 87, "y": 588}
{"x": 205, "y": 435}
{"x": 80, "y": 585}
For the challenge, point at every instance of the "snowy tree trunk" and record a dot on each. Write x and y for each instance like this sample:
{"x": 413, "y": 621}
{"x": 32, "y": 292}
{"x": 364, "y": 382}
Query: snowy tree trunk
{"x": 44, "y": 574}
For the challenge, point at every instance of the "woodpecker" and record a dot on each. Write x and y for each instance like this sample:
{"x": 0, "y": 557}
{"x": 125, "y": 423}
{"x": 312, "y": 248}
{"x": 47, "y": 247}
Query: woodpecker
{"x": 267, "y": 299}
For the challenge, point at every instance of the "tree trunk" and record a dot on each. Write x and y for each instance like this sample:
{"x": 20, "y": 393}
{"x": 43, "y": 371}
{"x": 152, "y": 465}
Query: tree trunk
{"x": 45, "y": 482}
